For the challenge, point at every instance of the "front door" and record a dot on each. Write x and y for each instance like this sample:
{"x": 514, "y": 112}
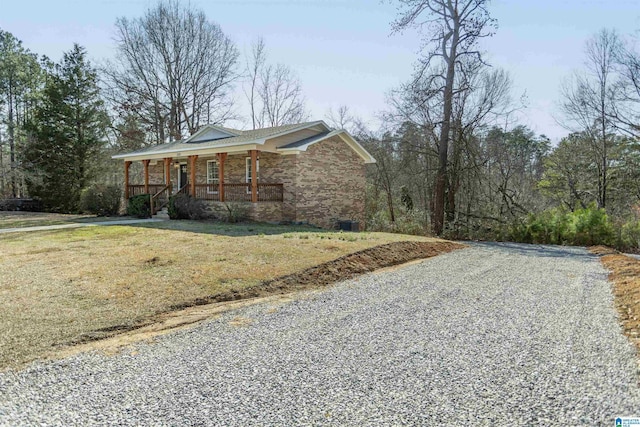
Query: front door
{"x": 182, "y": 177}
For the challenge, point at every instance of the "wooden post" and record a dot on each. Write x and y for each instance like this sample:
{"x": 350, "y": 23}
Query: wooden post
{"x": 192, "y": 171}
{"x": 126, "y": 179}
{"x": 221, "y": 158}
{"x": 145, "y": 163}
{"x": 254, "y": 176}
{"x": 167, "y": 172}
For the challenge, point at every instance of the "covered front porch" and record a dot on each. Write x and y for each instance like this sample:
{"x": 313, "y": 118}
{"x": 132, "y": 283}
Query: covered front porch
{"x": 219, "y": 177}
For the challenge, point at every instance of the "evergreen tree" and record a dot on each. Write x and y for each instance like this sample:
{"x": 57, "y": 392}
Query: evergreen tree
{"x": 67, "y": 134}
{"x": 20, "y": 85}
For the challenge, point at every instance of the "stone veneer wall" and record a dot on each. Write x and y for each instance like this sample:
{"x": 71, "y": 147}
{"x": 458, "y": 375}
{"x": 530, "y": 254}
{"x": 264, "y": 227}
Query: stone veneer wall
{"x": 330, "y": 184}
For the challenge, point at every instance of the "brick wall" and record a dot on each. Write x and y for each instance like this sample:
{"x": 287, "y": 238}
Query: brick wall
{"x": 322, "y": 185}
{"x": 263, "y": 211}
{"x": 330, "y": 184}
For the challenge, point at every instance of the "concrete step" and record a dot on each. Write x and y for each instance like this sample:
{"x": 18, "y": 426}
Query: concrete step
{"x": 162, "y": 214}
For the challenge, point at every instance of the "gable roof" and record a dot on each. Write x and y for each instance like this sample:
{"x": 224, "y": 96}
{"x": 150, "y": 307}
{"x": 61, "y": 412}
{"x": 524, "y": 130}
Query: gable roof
{"x": 233, "y": 138}
{"x": 305, "y": 143}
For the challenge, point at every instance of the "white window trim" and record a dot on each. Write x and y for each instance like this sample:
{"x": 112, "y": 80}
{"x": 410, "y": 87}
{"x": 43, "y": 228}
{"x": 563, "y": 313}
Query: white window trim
{"x": 215, "y": 179}
{"x": 247, "y": 175}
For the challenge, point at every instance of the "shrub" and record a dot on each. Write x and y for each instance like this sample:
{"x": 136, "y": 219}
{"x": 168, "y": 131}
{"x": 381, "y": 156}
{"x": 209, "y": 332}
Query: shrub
{"x": 183, "y": 206}
{"x": 101, "y": 200}
{"x": 583, "y": 227}
{"x": 139, "y": 206}
{"x": 589, "y": 226}
{"x": 236, "y": 212}
{"x": 629, "y": 236}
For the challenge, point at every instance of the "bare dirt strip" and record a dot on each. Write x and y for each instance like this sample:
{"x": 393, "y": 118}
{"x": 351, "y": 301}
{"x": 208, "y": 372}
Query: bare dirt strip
{"x": 625, "y": 277}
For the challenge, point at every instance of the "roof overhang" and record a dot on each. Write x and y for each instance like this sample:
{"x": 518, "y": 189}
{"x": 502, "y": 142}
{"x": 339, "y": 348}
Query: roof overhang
{"x": 191, "y": 151}
{"x": 342, "y": 134}
{"x": 256, "y": 144}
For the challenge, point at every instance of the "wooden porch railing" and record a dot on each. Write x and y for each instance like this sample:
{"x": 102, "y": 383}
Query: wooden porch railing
{"x": 240, "y": 192}
{"x": 270, "y": 192}
{"x": 232, "y": 192}
{"x": 135, "y": 190}
{"x": 237, "y": 192}
{"x": 160, "y": 199}
{"x": 207, "y": 192}
{"x": 183, "y": 190}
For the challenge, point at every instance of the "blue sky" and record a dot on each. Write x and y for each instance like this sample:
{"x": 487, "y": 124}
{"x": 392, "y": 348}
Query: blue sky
{"x": 343, "y": 50}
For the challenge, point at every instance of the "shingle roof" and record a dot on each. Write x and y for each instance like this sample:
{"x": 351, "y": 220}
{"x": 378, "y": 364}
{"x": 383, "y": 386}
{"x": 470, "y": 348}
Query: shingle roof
{"x": 305, "y": 141}
{"x": 246, "y": 136}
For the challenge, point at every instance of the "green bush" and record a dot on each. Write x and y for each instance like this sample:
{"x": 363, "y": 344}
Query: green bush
{"x": 101, "y": 200}
{"x": 183, "y": 206}
{"x": 629, "y": 236}
{"x": 583, "y": 227}
{"x": 139, "y": 206}
{"x": 589, "y": 226}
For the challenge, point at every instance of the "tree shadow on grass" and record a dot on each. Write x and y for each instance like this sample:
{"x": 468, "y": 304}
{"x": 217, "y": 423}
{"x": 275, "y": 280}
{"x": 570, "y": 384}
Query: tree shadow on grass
{"x": 226, "y": 229}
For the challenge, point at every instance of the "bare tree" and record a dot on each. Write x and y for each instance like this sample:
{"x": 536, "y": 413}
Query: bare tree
{"x": 341, "y": 118}
{"x": 626, "y": 111}
{"x": 589, "y": 102}
{"x": 174, "y": 70}
{"x": 281, "y": 95}
{"x": 254, "y": 68}
{"x": 274, "y": 92}
{"x": 453, "y": 29}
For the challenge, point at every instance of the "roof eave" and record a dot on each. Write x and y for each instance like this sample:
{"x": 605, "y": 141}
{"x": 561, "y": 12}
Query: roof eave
{"x": 344, "y": 135}
{"x": 187, "y": 151}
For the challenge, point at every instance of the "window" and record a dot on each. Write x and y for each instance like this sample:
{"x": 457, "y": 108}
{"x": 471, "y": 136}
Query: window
{"x": 212, "y": 176}
{"x": 248, "y": 168}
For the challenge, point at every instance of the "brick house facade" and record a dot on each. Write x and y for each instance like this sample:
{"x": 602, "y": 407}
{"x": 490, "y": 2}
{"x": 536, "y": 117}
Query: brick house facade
{"x": 303, "y": 173}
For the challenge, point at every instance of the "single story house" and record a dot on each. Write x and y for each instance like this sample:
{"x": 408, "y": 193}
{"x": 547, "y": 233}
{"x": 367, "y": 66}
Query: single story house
{"x": 303, "y": 172}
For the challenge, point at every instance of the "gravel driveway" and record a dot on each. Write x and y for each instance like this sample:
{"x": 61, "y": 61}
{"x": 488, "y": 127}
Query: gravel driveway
{"x": 497, "y": 334}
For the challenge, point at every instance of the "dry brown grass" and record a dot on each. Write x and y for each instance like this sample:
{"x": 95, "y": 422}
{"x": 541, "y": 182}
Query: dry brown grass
{"x": 58, "y": 286}
{"x": 625, "y": 276}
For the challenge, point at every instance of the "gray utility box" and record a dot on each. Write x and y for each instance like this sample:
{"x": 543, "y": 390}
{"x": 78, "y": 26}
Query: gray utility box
{"x": 349, "y": 225}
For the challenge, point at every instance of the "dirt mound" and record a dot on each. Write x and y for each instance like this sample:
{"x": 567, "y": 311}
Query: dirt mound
{"x": 625, "y": 276}
{"x": 343, "y": 268}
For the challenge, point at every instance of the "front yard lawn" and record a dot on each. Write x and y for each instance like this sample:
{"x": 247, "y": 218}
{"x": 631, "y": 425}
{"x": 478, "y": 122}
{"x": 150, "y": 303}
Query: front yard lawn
{"x": 36, "y": 219}
{"x": 59, "y": 286}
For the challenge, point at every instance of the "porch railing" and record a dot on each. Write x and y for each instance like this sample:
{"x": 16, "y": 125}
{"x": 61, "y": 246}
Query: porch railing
{"x": 270, "y": 192}
{"x": 160, "y": 199}
{"x": 232, "y": 192}
{"x": 135, "y": 190}
{"x": 183, "y": 190}
{"x": 240, "y": 192}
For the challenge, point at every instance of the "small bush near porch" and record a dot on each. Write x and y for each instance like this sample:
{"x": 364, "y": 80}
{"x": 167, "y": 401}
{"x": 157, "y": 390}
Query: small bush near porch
{"x": 60, "y": 287}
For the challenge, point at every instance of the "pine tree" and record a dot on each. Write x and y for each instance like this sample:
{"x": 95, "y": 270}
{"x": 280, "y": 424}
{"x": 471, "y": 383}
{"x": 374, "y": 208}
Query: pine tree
{"x": 67, "y": 134}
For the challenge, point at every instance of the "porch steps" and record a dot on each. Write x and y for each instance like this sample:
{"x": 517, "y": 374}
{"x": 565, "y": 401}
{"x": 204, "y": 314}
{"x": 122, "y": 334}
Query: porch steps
{"x": 162, "y": 214}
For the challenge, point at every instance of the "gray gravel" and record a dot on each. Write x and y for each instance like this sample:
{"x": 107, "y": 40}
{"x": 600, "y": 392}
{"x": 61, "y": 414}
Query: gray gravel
{"x": 498, "y": 334}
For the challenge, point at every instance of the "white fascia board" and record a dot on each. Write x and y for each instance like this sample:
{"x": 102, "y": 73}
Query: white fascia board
{"x": 231, "y": 148}
{"x": 355, "y": 145}
{"x": 296, "y": 129}
{"x": 345, "y": 136}
{"x": 206, "y": 128}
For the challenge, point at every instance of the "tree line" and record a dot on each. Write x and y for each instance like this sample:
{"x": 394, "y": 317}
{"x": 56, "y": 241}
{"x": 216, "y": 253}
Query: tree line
{"x": 174, "y": 71}
{"x": 453, "y": 161}
{"x": 451, "y": 158}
